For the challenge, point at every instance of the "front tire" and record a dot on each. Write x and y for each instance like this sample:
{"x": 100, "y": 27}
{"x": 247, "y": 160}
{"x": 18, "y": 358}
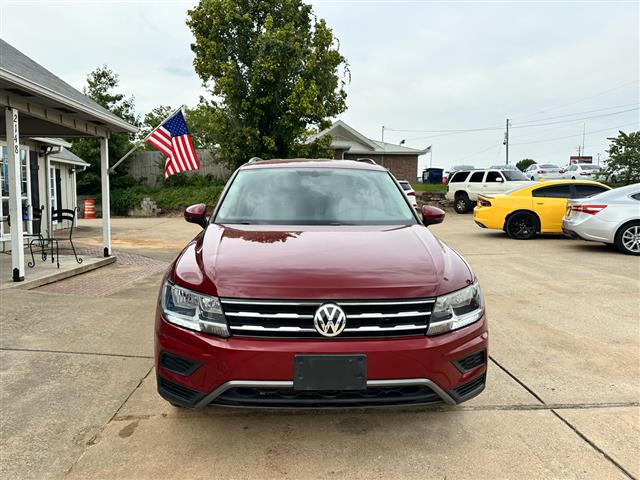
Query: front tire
{"x": 462, "y": 204}
{"x": 522, "y": 226}
{"x": 628, "y": 239}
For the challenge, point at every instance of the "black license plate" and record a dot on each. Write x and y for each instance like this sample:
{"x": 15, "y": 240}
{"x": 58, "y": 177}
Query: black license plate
{"x": 330, "y": 372}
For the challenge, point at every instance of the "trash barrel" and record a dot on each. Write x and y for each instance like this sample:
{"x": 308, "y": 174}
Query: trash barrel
{"x": 89, "y": 208}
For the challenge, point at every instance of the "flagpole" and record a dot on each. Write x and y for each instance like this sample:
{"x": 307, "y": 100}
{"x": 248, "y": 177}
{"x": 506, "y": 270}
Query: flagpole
{"x": 140, "y": 142}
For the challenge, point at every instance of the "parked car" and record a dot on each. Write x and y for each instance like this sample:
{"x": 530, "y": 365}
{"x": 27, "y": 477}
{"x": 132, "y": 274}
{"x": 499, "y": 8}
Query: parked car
{"x": 457, "y": 168}
{"x": 303, "y": 290}
{"x": 584, "y": 171}
{"x": 409, "y": 192}
{"x": 535, "y": 208}
{"x": 465, "y": 186}
{"x": 611, "y": 217}
{"x": 546, "y": 171}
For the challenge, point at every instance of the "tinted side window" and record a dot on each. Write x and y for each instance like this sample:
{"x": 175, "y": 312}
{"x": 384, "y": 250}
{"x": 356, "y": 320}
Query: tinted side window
{"x": 636, "y": 196}
{"x": 459, "y": 177}
{"x": 493, "y": 176}
{"x": 476, "y": 177}
{"x": 556, "y": 191}
{"x": 582, "y": 191}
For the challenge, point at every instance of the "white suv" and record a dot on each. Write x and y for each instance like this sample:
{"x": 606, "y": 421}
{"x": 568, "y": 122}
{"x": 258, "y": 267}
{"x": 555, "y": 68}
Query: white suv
{"x": 465, "y": 186}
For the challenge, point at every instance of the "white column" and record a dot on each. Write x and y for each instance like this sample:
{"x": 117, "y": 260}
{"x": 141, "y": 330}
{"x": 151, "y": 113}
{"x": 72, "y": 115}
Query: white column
{"x": 15, "y": 200}
{"x": 106, "y": 212}
{"x": 47, "y": 203}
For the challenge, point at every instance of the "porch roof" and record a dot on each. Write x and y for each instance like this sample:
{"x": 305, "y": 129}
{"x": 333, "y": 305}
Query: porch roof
{"x": 45, "y": 98}
{"x": 67, "y": 156}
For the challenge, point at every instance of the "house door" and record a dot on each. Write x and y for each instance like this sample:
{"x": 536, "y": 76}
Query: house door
{"x": 35, "y": 177}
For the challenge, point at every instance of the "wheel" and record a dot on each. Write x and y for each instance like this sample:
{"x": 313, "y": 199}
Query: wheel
{"x": 628, "y": 238}
{"x": 462, "y": 203}
{"x": 573, "y": 178}
{"x": 533, "y": 179}
{"x": 614, "y": 179}
{"x": 522, "y": 226}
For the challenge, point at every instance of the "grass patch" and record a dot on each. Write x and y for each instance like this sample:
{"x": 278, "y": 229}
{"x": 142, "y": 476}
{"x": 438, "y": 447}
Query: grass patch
{"x": 429, "y": 187}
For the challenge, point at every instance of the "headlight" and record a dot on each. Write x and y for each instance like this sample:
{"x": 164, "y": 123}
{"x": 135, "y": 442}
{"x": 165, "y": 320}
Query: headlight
{"x": 192, "y": 310}
{"x": 456, "y": 310}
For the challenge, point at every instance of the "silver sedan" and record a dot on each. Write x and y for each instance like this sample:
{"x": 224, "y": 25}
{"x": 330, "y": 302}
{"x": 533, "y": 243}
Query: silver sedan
{"x": 611, "y": 217}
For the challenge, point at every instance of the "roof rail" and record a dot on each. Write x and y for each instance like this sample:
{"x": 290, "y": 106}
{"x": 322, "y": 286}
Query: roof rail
{"x": 367, "y": 160}
{"x": 254, "y": 160}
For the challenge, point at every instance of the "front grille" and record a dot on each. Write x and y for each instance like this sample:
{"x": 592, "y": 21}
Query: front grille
{"x": 287, "y": 397}
{"x": 294, "y": 319}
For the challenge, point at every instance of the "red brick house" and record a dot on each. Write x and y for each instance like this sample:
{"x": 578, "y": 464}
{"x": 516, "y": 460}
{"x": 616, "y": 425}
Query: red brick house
{"x": 349, "y": 144}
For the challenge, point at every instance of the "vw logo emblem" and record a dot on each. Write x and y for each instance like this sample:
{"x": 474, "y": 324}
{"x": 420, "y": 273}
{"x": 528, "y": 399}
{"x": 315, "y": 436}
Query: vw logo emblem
{"x": 329, "y": 320}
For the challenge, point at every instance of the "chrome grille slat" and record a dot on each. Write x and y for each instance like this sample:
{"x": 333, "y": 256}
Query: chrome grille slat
{"x": 291, "y": 319}
{"x": 267, "y": 315}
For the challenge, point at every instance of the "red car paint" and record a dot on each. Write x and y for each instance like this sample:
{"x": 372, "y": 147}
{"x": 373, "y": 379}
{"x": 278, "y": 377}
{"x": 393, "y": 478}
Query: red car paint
{"x": 318, "y": 263}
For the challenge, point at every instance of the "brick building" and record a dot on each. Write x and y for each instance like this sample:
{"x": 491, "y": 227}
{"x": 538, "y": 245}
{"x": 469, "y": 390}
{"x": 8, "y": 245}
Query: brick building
{"x": 349, "y": 144}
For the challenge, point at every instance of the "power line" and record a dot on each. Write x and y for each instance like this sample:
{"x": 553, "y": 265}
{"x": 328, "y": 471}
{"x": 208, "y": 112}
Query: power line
{"x": 526, "y": 125}
{"x": 544, "y": 110}
{"x": 587, "y": 111}
{"x": 572, "y": 136}
{"x": 577, "y": 119}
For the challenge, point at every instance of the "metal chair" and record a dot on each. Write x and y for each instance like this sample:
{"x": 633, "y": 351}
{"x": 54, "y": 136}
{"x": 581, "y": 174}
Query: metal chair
{"x": 61, "y": 215}
{"x": 36, "y": 228}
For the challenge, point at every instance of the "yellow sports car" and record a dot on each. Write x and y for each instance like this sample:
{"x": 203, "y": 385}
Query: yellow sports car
{"x": 535, "y": 208}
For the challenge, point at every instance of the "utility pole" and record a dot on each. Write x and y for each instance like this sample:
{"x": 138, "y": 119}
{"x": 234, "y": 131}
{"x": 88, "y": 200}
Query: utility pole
{"x": 383, "y": 133}
{"x": 598, "y": 159}
{"x": 579, "y": 150}
{"x": 506, "y": 141}
{"x": 584, "y": 126}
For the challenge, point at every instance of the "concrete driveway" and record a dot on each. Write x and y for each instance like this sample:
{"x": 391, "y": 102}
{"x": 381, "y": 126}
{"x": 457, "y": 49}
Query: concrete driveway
{"x": 563, "y": 397}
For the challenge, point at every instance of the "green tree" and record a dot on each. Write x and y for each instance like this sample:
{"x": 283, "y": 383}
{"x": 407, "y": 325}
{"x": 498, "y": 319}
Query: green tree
{"x": 624, "y": 158}
{"x": 275, "y": 75}
{"x": 523, "y": 164}
{"x": 101, "y": 87}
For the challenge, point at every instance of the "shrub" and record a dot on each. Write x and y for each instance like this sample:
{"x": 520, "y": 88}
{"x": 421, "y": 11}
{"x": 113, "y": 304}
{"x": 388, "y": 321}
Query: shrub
{"x": 123, "y": 200}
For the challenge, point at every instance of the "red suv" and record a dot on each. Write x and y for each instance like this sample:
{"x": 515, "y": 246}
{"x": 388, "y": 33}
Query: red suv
{"x": 315, "y": 284}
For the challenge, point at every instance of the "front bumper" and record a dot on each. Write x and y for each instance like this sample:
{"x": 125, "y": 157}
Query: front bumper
{"x": 252, "y": 372}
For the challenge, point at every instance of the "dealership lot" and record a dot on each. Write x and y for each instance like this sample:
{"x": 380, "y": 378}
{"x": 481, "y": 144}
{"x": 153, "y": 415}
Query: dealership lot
{"x": 562, "y": 399}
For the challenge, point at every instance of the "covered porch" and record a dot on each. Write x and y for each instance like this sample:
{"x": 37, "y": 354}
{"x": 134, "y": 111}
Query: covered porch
{"x": 40, "y": 113}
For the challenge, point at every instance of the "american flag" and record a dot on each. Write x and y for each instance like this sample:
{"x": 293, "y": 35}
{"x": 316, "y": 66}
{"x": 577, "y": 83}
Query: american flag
{"x": 173, "y": 139}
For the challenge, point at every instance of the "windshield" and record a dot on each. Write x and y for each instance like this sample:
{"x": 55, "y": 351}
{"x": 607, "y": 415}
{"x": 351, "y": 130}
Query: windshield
{"x": 314, "y": 196}
{"x": 405, "y": 186}
{"x": 514, "y": 175}
{"x": 548, "y": 165}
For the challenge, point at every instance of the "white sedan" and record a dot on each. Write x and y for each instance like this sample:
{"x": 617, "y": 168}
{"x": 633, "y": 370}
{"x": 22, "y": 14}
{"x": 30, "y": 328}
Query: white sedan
{"x": 547, "y": 171}
{"x": 611, "y": 217}
{"x": 582, "y": 171}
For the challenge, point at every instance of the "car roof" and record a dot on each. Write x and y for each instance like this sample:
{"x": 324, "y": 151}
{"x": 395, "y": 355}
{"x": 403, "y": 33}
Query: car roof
{"x": 311, "y": 163}
{"x": 551, "y": 183}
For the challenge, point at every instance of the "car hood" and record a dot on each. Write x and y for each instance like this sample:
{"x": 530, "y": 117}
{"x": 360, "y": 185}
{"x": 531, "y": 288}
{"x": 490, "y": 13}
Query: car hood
{"x": 336, "y": 262}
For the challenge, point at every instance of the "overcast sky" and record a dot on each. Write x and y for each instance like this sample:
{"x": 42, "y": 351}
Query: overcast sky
{"x": 414, "y": 66}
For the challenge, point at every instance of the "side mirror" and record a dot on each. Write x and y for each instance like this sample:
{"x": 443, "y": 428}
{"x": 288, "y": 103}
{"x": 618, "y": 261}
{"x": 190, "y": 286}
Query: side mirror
{"x": 196, "y": 214}
{"x": 431, "y": 215}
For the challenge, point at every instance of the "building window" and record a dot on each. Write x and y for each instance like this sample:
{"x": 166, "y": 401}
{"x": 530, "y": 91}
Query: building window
{"x": 25, "y": 190}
